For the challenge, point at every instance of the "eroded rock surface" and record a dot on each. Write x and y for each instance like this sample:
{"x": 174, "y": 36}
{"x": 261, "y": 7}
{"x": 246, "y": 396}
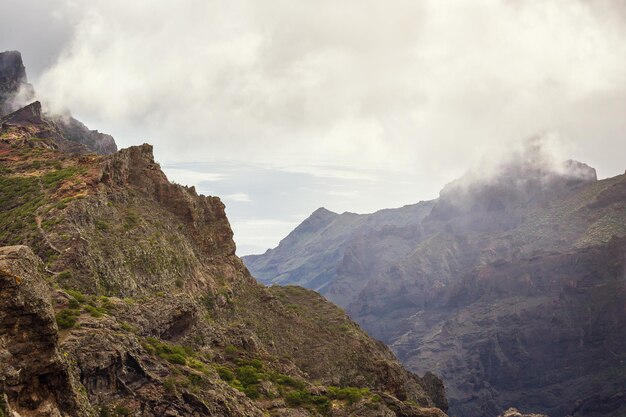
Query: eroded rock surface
{"x": 34, "y": 377}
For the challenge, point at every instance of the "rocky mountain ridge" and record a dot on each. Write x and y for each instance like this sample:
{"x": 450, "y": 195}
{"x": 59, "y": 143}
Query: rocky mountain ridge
{"x": 18, "y": 108}
{"x": 121, "y": 294}
{"x": 504, "y": 285}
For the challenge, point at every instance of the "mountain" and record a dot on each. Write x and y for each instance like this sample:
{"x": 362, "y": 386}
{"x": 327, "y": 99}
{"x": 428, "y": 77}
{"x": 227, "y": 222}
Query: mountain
{"x": 14, "y": 86}
{"x": 68, "y": 134}
{"x": 316, "y": 252}
{"x": 121, "y": 294}
{"x": 510, "y": 285}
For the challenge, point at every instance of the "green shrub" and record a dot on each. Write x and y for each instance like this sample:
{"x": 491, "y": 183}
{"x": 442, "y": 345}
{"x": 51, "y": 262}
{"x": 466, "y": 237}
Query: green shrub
{"x": 195, "y": 380}
{"x": 252, "y": 391}
{"x": 176, "y": 358}
{"x": 101, "y": 225}
{"x": 170, "y": 385}
{"x": 96, "y": 312}
{"x": 80, "y": 297}
{"x": 128, "y": 327}
{"x": 172, "y": 353}
{"x": 287, "y": 381}
{"x": 132, "y": 219}
{"x": 225, "y": 373}
{"x": 67, "y": 318}
{"x": 305, "y": 399}
{"x": 74, "y": 304}
{"x": 231, "y": 352}
{"x": 55, "y": 177}
{"x": 248, "y": 375}
{"x": 196, "y": 364}
{"x": 350, "y": 394}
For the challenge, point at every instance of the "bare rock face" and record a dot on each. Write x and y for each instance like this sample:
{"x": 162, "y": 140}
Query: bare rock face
{"x": 75, "y": 131}
{"x": 33, "y": 376}
{"x": 14, "y": 87}
{"x": 69, "y": 134}
{"x": 26, "y": 116}
{"x": 204, "y": 216}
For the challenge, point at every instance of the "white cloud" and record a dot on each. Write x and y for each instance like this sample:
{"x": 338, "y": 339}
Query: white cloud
{"x": 257, "y": 235}
{"x": 419, "y": 86}
{"x": 356, "y": 89}
{"x": 190, "y": 177}
{"x": 239, "y": 197}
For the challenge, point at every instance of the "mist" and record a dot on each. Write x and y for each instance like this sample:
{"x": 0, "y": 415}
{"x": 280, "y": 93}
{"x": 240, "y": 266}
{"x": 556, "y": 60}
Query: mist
{"x": 415, "y": 91}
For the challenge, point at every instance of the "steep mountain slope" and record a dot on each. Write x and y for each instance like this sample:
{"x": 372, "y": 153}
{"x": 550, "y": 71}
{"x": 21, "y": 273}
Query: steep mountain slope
{"x": 511, "y": 287}
{"x": 317, "y": 251}
{"x": 120, "y": 294}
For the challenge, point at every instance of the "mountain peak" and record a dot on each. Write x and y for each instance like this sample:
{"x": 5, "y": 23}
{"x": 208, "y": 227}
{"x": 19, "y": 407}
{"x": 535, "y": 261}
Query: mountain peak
{"x": 12, "y": 68}
{"x": 322, "y": 211}
{"x": 28, "y": 115}
{"x": 15, "y": 92}
{"x": 14, "y": 87}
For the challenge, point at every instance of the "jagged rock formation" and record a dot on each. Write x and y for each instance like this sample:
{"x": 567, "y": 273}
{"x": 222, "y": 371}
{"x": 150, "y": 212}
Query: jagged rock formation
{"x": 14, "y": 87}
{"x": 156, "y": 314}
{"x": 69, "y": 134}
{"x": 509, "y": 287}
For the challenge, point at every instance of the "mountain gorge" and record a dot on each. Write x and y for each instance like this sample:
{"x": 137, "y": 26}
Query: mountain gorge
{"x": 121, "y": 295}
{"x": 511, "y": 286}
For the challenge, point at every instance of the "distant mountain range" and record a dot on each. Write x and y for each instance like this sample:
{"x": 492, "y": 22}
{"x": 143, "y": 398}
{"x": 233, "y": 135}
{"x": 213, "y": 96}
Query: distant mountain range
{"x": 511, "y": 286}
{"x": 121, "y": 295}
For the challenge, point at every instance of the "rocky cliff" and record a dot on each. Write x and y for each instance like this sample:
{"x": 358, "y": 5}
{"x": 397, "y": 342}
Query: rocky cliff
{"x": 509, "y": 286}
{"x": 14, "y": 87}
{"x": 18, "y": 108}
{"x": 121, "y": 295}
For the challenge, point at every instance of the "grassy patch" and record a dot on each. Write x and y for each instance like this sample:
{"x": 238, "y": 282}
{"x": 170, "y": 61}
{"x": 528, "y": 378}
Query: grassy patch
{"x": 66, "y": 319}
{"x": 176, "y": 354}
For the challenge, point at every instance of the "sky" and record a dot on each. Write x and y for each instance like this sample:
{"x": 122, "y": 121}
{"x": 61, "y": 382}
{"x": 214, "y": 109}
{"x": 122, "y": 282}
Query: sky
{"x": 282, "y": 106}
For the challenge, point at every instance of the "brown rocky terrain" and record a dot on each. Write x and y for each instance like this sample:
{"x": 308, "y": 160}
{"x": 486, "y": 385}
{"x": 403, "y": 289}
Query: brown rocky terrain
{"x": 121, "y": 294}
{"x": 510, "y": 287}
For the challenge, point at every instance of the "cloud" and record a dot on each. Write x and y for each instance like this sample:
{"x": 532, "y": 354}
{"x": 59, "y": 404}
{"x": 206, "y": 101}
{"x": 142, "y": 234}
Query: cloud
{"x": 413, "y": 91}
{"x": 420, "y": 86}
{"x": 255, "y": 236}
{"x": 190, "y": 177}
{"x": 239, "y": 197}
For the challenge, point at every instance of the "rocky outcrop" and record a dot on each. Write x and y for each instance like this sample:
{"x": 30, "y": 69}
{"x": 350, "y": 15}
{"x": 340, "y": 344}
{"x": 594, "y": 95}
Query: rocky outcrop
{"x": 75, "y": 131}
{"x": 14, "y": 88}
{"x": 67, "y": 133}
{"x": 26, "y": 116}
{"x": 34, "y": 377}
{"x": 203, "y": 216}
{"x": 498, "y": 285}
